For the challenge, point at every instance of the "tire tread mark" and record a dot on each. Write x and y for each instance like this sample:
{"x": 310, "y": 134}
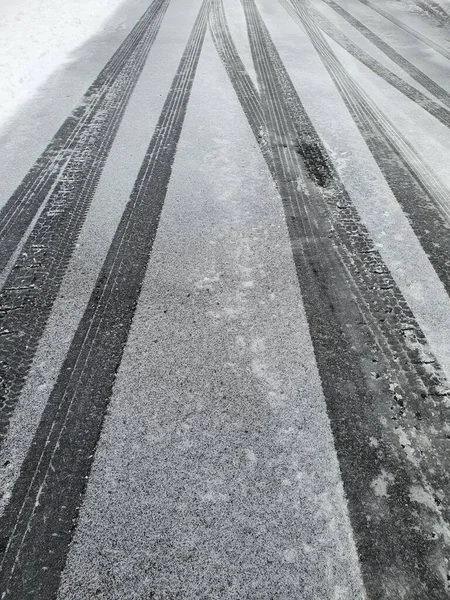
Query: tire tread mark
{"x": 18, "y": 212}
{"x": 32, "y": 285}
{"x": 421, "y": 195}
{"x": 429, "y": 105}
{"x": 359, "y": 323}
{"x": 424, "y": 39}
{"x": 44, "y": 505}
{"x": 239, "y": 76}
{"x": 435, "y": 89}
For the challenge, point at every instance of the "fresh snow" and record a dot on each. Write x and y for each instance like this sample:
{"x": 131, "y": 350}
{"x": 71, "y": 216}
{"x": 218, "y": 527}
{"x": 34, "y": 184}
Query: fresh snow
{"x": 37, "y": 37}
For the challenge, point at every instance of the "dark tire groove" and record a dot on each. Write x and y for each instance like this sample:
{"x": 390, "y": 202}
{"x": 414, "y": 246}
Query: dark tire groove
{"x": 239, "y": 77}
{"x": 20, "y": 209}
{"x": 432, "y": 107}
{"x": 381, "y": 393}
{"x": 424, "y": 39}
{"x": 439, "y": 92}
{"x": 38, "y": 523}
{"x": 32, "y": 285}
{"x": 424, "y": 201}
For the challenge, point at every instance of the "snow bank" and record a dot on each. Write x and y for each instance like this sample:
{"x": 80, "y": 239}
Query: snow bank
{"x": 37, "y": 36}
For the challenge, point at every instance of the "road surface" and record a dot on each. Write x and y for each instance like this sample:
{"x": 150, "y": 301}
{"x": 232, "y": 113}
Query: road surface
{"x": 225, "y": 309}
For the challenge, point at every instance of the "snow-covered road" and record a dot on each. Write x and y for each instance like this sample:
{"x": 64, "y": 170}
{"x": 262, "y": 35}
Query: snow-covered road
{"x": 225, "y": 305}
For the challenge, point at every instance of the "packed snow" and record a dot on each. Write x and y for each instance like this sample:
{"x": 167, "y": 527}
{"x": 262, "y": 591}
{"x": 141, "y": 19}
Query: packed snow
{"x": 37, "y": 37}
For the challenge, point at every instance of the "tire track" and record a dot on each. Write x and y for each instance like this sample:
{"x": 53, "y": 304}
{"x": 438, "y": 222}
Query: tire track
{"x": 385, "y": 394}
{"x": 435, "y": 11}
{"x": 38, "y": 523}
{"x": 439, "y": 49}
{"x": 73, "y": 135}
{"x": 432, "y": 107}
{"x": 435, "y": 89}
{"x": 68, "y": 189}
{"x": 240, "y": 79}
{"x": 422, "y": 197}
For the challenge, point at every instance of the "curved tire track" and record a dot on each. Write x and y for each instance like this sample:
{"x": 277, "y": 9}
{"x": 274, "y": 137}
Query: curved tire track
{"x": 383, "y": 388}
{"x": 239, "y": 77}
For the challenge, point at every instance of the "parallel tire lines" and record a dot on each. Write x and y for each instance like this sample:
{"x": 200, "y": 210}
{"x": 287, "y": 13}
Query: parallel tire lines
{"x": 423, "y": 198}
{"x": 91, "y": 114}
{"x": 68, "y": 189}
{"x": 383, "y": 388}
{"x": 39, "y": 519}
{"x": 424, "y": 39}
{"x": 425, "y": 81}
{"x": 239, "y": 77}
{"x": 432, "y": 107}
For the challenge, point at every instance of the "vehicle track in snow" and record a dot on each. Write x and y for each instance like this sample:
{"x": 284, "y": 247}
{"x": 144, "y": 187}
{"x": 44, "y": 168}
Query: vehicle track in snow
{"x": 382, "y": 386}
{"x": 419, "y": 192}
{"x": 64, "y": 180}
{"x": 241, "y": 80}
{"x": 429, "y": 84}
{"x": 45, "y": 502}
{"x": 423, "y": 38}
{"x": 387, "y": 398}
{"x": 411, "y": 92}
{"x": 101, "y": 103}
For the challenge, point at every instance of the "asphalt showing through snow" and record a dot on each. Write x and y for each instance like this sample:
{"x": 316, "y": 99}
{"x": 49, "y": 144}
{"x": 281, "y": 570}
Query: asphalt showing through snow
{"x": 225, "y": 312}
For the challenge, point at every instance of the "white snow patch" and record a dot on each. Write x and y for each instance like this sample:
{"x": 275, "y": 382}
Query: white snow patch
{"x": 406, "y": 445}
{"x": 251, "y": 456}
{"x": 37, "y": 37}
{"x": 380, "y": 484}
{"x": 290, "y": 555}
{"x": 422, "y": 496}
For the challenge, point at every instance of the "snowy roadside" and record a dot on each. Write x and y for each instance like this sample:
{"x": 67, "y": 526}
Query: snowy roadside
{"x": 37, "y": 37}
